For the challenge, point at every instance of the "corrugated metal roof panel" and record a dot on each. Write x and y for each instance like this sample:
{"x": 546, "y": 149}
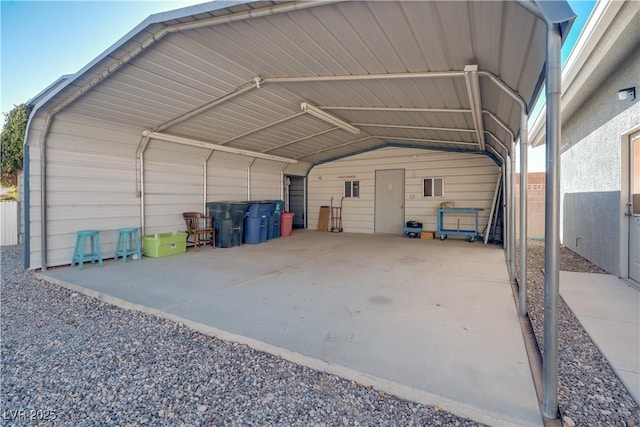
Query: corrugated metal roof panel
{"x": 173, "y": 65}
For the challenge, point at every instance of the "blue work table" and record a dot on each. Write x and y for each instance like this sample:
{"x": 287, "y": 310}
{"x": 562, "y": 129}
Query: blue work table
{"x": 444, "y": 232}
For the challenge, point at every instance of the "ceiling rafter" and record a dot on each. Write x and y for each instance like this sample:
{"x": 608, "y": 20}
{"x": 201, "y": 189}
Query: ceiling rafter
{"x": 395, "y": 109}
{"x": 472, "y": 84}
{"x": 433, "y": 141}
{"x": 470, "y": 74}
{"x": 393, "y": 126}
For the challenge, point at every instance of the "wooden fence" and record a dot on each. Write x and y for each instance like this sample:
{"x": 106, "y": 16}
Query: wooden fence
{"x": 9, "y": 226}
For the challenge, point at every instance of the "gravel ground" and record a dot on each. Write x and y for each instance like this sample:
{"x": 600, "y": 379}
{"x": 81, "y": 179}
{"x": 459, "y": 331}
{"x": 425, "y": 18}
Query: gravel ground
{"x": 590, "y": 393}
{"x": 68, "y": 359}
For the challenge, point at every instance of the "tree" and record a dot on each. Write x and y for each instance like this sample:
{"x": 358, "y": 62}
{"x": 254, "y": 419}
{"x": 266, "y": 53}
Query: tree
{"x": 15, "y": 125}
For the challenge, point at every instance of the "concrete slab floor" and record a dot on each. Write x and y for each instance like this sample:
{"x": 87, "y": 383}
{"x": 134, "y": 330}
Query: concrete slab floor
{"x": 427, "y": 320}
{"x": 609, "y": 310}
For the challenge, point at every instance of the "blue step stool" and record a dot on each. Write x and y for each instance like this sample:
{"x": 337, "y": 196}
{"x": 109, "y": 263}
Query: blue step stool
{"x": 127, "y": 238}
{"x": 80, "y": 255}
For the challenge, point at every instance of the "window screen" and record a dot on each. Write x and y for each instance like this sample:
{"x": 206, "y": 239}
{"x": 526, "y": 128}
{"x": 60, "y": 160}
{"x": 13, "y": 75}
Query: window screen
{"x": 352, "y": 189}
{"x": 434, "y": 187}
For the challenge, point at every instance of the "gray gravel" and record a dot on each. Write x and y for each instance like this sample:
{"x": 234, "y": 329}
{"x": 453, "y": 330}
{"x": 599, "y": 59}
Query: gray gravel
{"x": 589, "y": 392}
{"x": 68, "y": 359}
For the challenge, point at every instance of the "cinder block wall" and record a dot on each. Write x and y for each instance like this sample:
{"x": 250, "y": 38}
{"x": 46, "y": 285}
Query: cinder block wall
{"x": 535, "y": 204}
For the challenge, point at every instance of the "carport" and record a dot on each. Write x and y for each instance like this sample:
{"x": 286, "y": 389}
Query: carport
{"x": 216, "y": 99}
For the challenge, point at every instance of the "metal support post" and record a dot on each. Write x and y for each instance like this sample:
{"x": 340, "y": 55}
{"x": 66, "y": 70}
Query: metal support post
{"x": 512, "y": 212}
{"x": 552, "y": 225}
{"x": 506, "y": 222}
{"x": 524, "y": 182}
{"x": 249, "y": 178}
{"x": 205, "y": 181}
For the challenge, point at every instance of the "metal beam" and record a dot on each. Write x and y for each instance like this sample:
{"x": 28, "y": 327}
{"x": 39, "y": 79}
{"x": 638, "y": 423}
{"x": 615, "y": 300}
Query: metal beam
{"x": 505, "y": 88}
{"x": 249, "y": 178}
{"x": 500, "y": 123}
{"x": 552, "y": 224}
{"x": 524, "y": 181}
{"x": 376, "y": 125}
{"x": 396, "y": 109}
{"x": 502, "y": 145}
{"x": 475, "y": 102}
{"x": 512, "y": 213}
{"x": 434, "y": 141}
{"x": 328, "y": 117}
{"x": 142, "y": 147}
{"x": 245, "y": 87}
{"x": 361, "y": 77}
{"x": 216, "y": 147}
{"x": 43, "y": 191}
{"x": 509, "y": 188}
{"x": 205, "y": 166}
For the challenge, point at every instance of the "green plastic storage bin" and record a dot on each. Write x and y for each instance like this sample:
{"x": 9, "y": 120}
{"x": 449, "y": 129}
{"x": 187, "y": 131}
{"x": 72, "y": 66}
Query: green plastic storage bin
{"x": 165, "y": 244}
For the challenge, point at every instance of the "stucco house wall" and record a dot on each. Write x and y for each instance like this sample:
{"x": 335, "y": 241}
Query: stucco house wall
{"x": 591, "y": 168}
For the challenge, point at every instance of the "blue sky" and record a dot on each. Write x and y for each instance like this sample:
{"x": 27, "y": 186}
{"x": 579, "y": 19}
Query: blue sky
{"x": 43, "y": 40}
{"x": 537, "y": 155}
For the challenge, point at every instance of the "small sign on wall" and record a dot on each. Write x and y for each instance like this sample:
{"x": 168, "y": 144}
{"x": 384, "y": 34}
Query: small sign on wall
{"x": 346, "y": 176}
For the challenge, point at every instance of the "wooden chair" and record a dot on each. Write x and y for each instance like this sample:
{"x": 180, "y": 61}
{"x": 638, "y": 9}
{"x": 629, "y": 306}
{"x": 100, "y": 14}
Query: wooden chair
{"x": 199, "y": 229}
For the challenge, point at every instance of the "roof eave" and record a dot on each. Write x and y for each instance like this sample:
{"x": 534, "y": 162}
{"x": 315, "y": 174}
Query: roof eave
{"x": 598, "y": 25}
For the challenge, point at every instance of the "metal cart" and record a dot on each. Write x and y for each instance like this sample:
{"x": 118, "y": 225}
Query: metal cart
{"x": 444, "y": 232}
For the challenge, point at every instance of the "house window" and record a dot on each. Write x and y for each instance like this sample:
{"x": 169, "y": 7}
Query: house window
{"x": 352, "y": 189}
{"x": 434, "y": 187}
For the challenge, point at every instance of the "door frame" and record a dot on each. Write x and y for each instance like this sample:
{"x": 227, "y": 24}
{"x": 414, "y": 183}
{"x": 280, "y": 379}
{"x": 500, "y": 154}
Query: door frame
{"x": 286, "y": 182}
{"x": 375, "y": 186}
{"x": 625, "y": 194}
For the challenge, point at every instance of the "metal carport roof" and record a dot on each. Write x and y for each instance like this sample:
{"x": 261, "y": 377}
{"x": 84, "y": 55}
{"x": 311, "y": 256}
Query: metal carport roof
{"x": 314, "y": 81}
{"x": 440, "y": 75}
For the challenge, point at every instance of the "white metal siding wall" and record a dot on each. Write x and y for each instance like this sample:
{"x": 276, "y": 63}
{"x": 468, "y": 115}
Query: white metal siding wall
{"x": 91, "y": 184}
{"x": 266, "y": 180}
{"x": 469, "y": 182}
{"x": 173, "y": 185}
{"x": 227, "y": 177}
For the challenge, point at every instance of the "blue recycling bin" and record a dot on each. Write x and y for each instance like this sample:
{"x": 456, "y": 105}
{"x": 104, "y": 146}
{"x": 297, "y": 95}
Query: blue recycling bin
{"x": 256, "y": 222}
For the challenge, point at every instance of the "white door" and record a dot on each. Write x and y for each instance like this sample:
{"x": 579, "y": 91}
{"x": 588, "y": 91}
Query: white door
{"x": 634, "y": 207}
{"x": 389, "y": 210}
